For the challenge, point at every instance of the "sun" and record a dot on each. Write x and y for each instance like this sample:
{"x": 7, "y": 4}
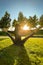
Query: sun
{"x": 25, "y": 27}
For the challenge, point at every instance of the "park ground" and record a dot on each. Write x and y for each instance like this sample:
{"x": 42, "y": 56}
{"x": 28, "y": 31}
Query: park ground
{"x": 9, "y": 54}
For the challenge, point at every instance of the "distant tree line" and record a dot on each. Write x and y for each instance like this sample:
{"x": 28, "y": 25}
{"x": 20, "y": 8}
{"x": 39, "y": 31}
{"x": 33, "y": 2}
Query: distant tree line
{"x": 33, "y": 21}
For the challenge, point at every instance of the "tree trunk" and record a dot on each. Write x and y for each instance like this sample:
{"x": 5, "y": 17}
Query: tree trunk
{"x": 18, "y": 41}
{"x": 13, "y": 40}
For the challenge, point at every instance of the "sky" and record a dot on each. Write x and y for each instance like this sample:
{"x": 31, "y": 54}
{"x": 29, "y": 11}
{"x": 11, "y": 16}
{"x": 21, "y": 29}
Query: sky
{"x": 28, "y": 7}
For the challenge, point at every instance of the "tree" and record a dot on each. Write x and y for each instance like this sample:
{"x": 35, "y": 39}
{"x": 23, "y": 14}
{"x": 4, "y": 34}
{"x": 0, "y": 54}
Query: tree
{"x": 33, "y": 20}
{"x": 41, "y": 21}
{"x": 20, "y": 22}
{"x": 20, "y": 17}
{"x": 17, "y": 40}
{"x": 5, "y": 21}
{"x": 17, "y": 24}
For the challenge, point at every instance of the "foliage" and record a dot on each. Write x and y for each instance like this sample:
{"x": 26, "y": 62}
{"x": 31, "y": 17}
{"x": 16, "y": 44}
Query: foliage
{"x": 20, "y": 17}
{"x": 20, "y": 22}
{"x": 33, "y": 20}
{"x": 15, "y": 22}
{"x": 41, "y": 20}
{"x": 5, "y": 21}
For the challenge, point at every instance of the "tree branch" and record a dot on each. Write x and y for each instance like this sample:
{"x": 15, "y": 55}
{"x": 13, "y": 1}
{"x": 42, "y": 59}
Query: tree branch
{"x": 37, "y": 29}
{"x": 10, "y": 36}
{"x": 28, "y": 37}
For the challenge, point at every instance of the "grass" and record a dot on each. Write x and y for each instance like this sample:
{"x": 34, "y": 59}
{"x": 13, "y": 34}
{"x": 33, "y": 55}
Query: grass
{"x": 30, "y": 54}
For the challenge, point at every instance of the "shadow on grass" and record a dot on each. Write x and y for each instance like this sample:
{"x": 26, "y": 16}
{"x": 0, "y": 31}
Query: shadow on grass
{"x": 3, "y": 39}
{"x": 14, "y": 55}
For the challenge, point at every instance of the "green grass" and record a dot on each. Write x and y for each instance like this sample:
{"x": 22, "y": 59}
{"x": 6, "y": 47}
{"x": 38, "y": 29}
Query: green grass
{"x": 30, "y": 54}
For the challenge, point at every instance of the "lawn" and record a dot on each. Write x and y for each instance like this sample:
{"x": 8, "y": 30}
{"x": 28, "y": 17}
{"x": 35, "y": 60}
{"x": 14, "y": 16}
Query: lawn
{"x": 30, "y": 54}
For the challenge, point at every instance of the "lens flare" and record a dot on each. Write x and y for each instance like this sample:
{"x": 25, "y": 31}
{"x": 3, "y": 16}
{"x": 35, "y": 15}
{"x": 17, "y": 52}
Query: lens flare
{"x": 25, "y": 27}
